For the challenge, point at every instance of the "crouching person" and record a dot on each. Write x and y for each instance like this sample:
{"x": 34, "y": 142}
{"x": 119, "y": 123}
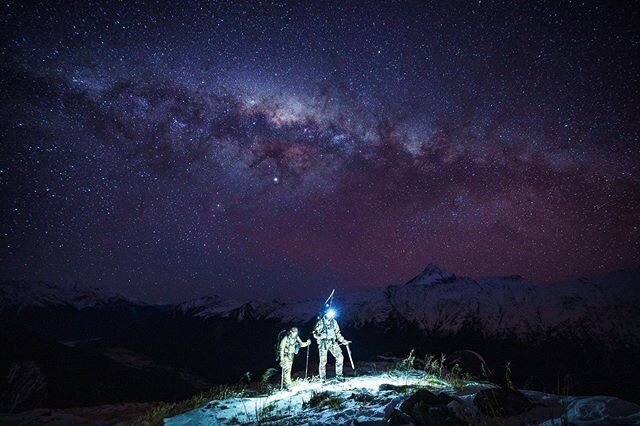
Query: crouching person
{"x": 289, "y": 346}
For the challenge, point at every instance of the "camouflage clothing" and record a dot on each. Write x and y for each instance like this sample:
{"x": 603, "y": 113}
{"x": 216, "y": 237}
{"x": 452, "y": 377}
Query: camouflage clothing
{"x": 327, "y": 333}
{"x": 289, "y": 346}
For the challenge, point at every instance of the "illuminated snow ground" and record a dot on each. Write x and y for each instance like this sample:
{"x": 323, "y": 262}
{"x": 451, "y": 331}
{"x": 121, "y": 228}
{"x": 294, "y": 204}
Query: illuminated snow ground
{"x": 360, "y": 399}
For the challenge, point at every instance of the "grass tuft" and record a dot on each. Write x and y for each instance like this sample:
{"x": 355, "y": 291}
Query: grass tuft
{"x": 322, "y": 400}
{"x": 156, "y": 415}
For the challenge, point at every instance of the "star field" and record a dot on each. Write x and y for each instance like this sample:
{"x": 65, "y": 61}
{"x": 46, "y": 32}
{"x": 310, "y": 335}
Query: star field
{"x": 276, "y": 149}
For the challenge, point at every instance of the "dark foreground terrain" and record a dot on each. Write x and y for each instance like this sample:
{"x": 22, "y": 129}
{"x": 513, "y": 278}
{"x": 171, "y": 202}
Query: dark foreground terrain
{"x": 67, "y": 357}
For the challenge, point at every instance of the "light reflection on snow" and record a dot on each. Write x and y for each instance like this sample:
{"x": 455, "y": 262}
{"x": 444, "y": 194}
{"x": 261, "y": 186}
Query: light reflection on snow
{"x": 287, "y": 407}
{"x": 289, "y": 403}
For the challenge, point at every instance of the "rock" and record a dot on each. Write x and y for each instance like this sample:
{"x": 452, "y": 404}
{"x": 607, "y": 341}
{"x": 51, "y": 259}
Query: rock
{"x": 363, "y": 397}
{"x": 369, "y": 423}
{"x": 426, "y": 408}
{"x": 397, "y": 417}
{"x": 425, "y": 397}
{"x": 391, "y": 407}
{"x": 501, "y": 402}
{"x": 438, "y": 416}
{"x": 388, "y": 387}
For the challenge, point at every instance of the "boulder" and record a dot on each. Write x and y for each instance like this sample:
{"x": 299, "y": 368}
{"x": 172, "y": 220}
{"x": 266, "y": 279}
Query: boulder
{"x": 355, "y": 422}
{"x": 398, "y": 418}
{"x": 393, "y": 415}
{"x": 501, "y": 402}
{"x": 435, "y": 416}
{"x": 396, "y": 388}
{"x": 424, "y": 397}
{"x": 426, "y": 408}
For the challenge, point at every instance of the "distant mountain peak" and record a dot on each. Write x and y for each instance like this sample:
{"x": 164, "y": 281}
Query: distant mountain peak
{"x": 23, "y": 293}
{"x": 433, "y": 274}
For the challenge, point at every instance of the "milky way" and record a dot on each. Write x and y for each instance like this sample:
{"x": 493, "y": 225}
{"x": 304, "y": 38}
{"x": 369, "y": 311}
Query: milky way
{"x": 278, "y": 149}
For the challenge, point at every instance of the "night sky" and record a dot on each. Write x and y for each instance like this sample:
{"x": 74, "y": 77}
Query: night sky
{"x": 169, "y": 150}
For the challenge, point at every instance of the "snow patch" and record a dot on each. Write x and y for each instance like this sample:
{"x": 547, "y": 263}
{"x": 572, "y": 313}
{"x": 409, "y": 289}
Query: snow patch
{"x": 364, "y": 400}
{"x": 22, "y": 294}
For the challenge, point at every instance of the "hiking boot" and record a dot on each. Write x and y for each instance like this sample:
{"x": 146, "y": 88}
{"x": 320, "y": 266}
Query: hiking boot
{"x": 340, "y": 378}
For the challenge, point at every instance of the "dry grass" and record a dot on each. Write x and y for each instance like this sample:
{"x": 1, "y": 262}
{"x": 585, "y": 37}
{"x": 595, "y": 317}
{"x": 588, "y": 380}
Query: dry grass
{"x": 322, "y": 400}
{"x": 157, "y": 414}
{"x": 454, "y": 376}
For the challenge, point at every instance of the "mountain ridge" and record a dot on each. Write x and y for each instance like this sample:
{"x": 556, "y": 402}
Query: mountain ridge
{"x": 437, "y": 300}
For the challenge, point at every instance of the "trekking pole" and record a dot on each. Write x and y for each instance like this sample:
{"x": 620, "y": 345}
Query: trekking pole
{"x": 306, "y": 368}
{"x": 353, "y": 367}
{"x": 281, "y": 379}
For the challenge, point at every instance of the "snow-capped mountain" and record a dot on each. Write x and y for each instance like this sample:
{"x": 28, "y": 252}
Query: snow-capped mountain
{"x": 438, "y": 301}
{"x": 433, "y": 274}
{"x": 436, "y": 312}
{"x": 20, "y": 294}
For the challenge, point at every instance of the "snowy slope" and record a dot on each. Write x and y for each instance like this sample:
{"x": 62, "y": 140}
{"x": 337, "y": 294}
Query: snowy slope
{"x": 441, "y": 302}
{"x": 374, "y": 399}
{"x": 19, "y": 294}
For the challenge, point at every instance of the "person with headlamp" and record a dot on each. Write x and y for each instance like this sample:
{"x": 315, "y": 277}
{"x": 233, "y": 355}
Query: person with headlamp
{"x": 327, "y": 334}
